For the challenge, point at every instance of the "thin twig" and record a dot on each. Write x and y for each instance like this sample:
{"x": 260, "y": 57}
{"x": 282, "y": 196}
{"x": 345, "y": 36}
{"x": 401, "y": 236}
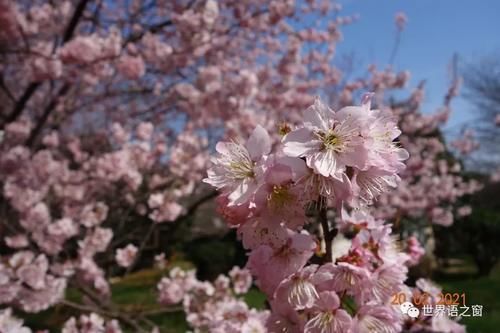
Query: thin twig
{"x": 326, "y": 233}
{"x": 141, "y": 247}
{"x": 395, "y": 48}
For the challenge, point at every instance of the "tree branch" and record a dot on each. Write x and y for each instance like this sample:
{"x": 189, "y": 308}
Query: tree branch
{"x": 21, "y": 103}
{"x": 328, "y": 234}
{"x": 70, "y": 29}
{"x": 45, "y": 115}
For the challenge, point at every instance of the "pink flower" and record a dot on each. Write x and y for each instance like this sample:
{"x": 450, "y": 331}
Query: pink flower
{"x": 32, "y": 301}
{"x": 329, "y": 141}
{"x": 145, "y": 130}
{"x": 88, "y": 49}
{"x": 11, "y": 324}
{"x": 357, "y": 220}
{"x": 428, "y": 287}
{"x": 346, "y": 277}
{"x": 464, "y": 211}
{"x": 369, "y": 184}
{"x": 126, "y": 256}
{"x": 400, "y": 19}
{"x": 155, "y": 50}
{"x": 387, "y": 280}
{"x": 279, "y": 198}
{"x": 170, "y": 291}
{"x": 44, "y": 68}
{"x": 299, "y": 289}
{"x": 253, "y": 325}
{"x": 441, "y": 216}
{"x": 95, "y": 241}
{"x": 335, "y": 190}
{"x": 168, "y": 212}
{"x": 241, "y": 279}
{"x": 93, "y": 214}
{"x": 33, "y": 274}
{"x": 271, "y": 266}
{"x": 233, "y": 215}
{"x": 446, "y": 325}
{"x": 160, "y": 261}
{"x": 257, "y": 231}
{"x": 64, "y": 228}
{"x": 80, "y": 50}
{"x": 119, "y": 133}
{"x": 414, "y": 250}
{"x": 18, "y": 130}
{"x": 91, "y": 323}
{"x": 51, "y": 139}
{"x": 380, "y": 130}
{"x": 17, "y": 242}
{"x": 37, "y": 217}
{"x": 132, "y": 67}
{"x": 163, "y": 209}
{"x": 284, "y": 318}
{"x": 235, "y": 170}
{"x": 376, "y": 318}
{"x": 329, "y": 318}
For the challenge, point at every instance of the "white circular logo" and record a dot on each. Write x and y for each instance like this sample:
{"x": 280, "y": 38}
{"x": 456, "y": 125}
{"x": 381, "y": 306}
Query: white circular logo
{"x": 413, "y": 312}
{"x": 405, "y": 307}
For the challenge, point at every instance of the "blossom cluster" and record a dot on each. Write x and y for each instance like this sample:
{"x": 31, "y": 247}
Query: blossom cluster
{"x": 92, "y": 323}
{"x": 340, "y": 160}
{"x": 436, "y": 323}
{"x": 62, "y": 203}
{"x": 213, "y": 307}
{"x": 81, "y": 163}
{"x": 427, "y": 169}
{"x": 11, "y": 324}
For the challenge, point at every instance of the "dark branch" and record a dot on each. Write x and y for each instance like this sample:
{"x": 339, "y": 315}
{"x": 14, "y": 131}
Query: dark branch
{"x": 68, "y": 34}
{"x": 70, "y": 29}
{"x": 21, "y": 103}
{"x": 45, "y": 115}
{"x": 328, "y": 234}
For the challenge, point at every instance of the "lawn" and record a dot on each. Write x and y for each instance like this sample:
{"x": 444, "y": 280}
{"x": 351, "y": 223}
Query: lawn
{"x": 134, "y": 294}
{"x": 484, "y": 291}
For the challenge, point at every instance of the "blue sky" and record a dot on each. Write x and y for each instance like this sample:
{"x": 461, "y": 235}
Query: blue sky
{"x": 436, "y": 30}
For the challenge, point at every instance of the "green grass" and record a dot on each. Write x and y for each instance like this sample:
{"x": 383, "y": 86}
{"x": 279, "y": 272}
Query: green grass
{"x": 134, "y": 294}
{"x": 484, "y": 291}
{"x": 137, "y": 293}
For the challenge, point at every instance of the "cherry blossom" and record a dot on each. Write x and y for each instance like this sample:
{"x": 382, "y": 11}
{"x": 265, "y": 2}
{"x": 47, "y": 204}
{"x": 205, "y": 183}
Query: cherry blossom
{"x": 238, "y": 165}
{"x": 11, "y": 324}
{"x": 110, "y": 116}
{"x": 329, "y": 317}
{"x": 126, "y": 256}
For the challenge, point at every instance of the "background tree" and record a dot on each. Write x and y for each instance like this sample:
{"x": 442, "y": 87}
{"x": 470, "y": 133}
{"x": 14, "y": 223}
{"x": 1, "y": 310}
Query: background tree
{"x": 482, "y": 88}
{"x": 109, "y": 113}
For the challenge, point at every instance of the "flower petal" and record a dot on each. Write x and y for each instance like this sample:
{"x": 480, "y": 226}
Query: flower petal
{"x": 259, "y": 143}
{"x": 318, "y": 114}
{"x": 300, "y": 142}
{"x": 323, "y": 162}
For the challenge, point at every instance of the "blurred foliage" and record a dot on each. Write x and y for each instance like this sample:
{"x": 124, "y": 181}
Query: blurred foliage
{"x": 215, "y": 255}
{"x": 137, "y": 293}
{"x": 476, "y": 235}
{"x": 481, "y": 291}
{"x": 134, "y": 294}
